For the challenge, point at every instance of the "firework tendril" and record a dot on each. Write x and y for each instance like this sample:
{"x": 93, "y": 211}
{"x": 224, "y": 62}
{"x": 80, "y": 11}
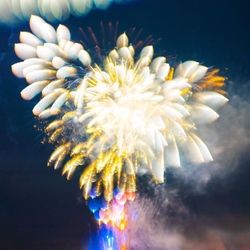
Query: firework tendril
{"x": 113, "y": 121}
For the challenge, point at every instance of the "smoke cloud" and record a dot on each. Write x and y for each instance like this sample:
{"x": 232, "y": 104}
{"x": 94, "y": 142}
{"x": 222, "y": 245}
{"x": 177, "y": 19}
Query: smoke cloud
{"x": 202, "y": 207}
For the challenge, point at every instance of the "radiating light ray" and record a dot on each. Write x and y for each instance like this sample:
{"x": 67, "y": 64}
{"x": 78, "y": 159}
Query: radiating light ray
{"x": 133, "y": 112}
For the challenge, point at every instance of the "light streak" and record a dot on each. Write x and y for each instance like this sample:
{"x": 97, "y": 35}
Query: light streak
{"x": 15, "y": 11}
{"x": 132, "y": 113}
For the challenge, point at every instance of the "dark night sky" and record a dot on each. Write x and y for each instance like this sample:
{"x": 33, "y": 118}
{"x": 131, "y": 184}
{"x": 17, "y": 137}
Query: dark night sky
{"x": 40, "y": 210}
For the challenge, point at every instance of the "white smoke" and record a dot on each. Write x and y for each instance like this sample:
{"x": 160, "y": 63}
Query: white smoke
{"x": 165, "y": 223}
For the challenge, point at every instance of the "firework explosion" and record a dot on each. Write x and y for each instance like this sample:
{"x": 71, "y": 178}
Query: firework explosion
{"x": 132, "y": 114}
{"x": 14, "y": 11}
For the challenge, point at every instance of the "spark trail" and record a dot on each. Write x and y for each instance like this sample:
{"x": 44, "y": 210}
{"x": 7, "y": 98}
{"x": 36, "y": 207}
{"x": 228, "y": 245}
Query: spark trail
{"x": 131, "y": 114}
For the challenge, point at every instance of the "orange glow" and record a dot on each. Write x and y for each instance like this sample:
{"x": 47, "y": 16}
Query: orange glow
{"x": 213, "y": 82}
{"x": 123, "y": 247}
{"x": 123, "y": 225}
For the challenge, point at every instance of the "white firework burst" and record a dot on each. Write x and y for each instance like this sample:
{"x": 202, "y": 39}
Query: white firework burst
{"x": 14, "y": 11}
{"x": 133, "y": 111}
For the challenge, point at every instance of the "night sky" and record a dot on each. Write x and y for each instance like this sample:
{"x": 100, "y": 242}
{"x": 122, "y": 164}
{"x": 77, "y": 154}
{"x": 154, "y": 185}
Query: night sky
{"x": 199, "y": 207}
